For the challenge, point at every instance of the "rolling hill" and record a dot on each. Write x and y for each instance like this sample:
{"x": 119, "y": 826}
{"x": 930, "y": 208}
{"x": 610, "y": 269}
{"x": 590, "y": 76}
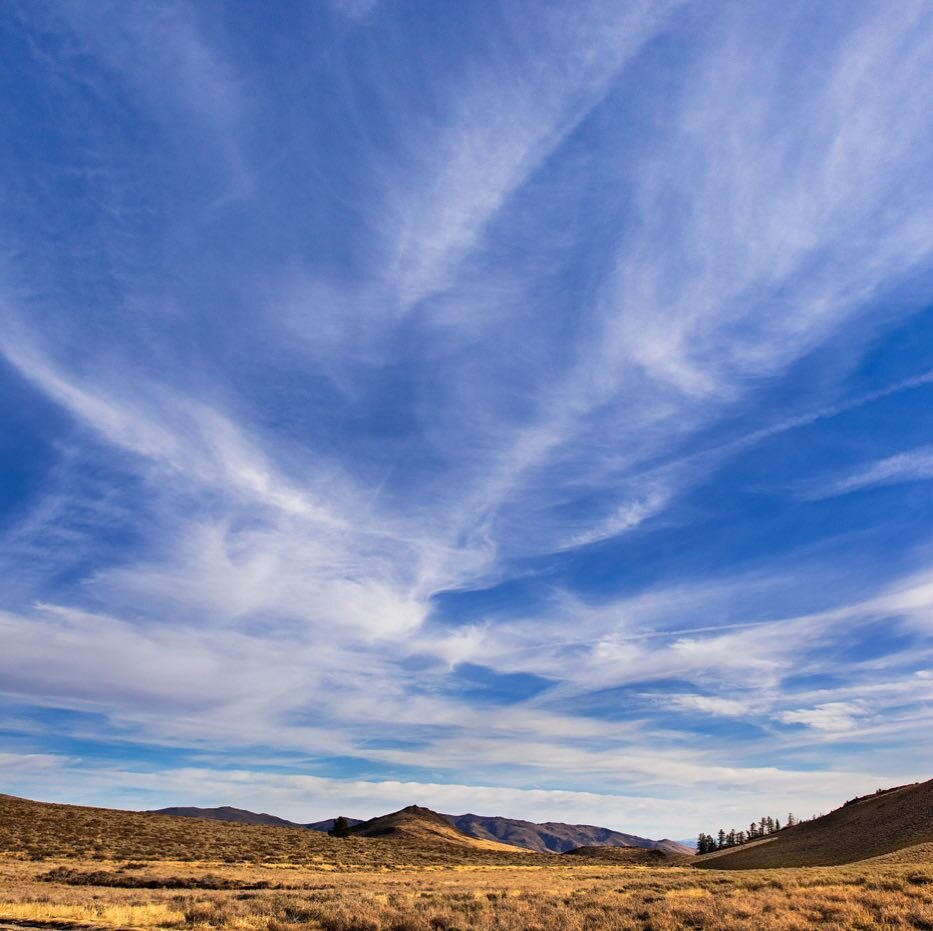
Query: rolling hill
{"x": 328, "y": 823}
{"x": 629, "y": 856}
{"x": 555, "y": 836}
{"x": 243, "y": 816}
{"x": 421, "y": 825}
{"x": 866, "y": 827}
{"x": 41, "y": 830}
{"x": 236, "y": 815}
{"x": 546, "y": 837}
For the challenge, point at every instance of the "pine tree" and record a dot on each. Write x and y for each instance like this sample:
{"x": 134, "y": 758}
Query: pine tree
{"x": 740, "y": 837}
{"x": 341, "y": 827}
{"x": 791, "y": 820}
{"x": 722, "y": 839}
{"x": 777, "y": 824}
{"x": 730, "y": 838}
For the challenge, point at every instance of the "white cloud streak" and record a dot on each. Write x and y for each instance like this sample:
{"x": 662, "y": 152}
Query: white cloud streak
{"x": 291, "y": 603}
{"x": 911, "y": 466}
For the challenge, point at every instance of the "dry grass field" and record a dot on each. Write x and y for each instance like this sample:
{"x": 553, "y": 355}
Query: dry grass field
{"x": 560, "y": 895}
{"x": 68, "y": 867}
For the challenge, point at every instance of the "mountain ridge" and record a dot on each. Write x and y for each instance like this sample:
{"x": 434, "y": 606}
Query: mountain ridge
{"x": 43, "y": 830}
{"x": 414, "y": 823}
{"x": 542, "y": 837}
{"x": 245, "y": 816}
{"x": 227, "y": 813}
{"x": 556, "y": 836}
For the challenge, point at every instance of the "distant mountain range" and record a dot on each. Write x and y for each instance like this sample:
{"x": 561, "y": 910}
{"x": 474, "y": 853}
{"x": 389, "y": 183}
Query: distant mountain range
{"x": 549, "y": 837}
{"x": 555, "y": 836}
{"x": 894, "y": 826}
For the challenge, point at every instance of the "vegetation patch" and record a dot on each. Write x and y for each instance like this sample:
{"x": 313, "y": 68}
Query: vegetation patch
{"x": 120, "y": 879}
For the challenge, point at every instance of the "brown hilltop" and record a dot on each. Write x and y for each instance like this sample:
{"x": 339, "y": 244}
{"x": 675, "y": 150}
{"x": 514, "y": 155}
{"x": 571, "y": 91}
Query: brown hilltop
{"x": 423, "y": 826}
{"x": 630, "y": 856}
{"x": 866, "y": 827}
{"x": 227, "y": 813}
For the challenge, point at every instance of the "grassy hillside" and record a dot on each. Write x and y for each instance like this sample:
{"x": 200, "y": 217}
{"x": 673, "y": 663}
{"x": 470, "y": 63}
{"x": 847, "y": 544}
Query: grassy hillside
{"x": 866, "y": 827}
{"x": 422, "y": 826}
{"x": 630, "y": 856}
{"x": 69, "y": 867}
{"x": 226, "y": 813}
{"x": 39, "y": 830}
{"x": 243, "y": 816}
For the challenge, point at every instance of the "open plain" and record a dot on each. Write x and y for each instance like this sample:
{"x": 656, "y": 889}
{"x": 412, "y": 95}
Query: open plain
{"x": 555, "y": 895}
{"x": 71, "y": 867}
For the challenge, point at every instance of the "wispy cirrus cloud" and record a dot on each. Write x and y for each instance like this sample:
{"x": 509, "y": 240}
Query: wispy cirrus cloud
{"x": 499, "y": 125}
{"x": 421, "y": 385}
{"x": 911, "y": 466}
{"x": 832, "y": 718}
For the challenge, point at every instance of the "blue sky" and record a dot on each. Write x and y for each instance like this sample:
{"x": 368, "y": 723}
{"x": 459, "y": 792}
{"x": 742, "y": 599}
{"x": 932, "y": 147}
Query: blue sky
{"x": 514, "y": 408}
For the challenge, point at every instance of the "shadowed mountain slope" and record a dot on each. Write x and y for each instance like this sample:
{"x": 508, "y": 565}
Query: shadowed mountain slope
{"x": 630, "y": 856}
{"x": 554, "y": 836}
{"x": 243, "y": 816}
{"x": 226, "y": 813}
{"x": 421, "y": 825}
{"x": 866, "y": 827}
{"x": 328, "y": 824}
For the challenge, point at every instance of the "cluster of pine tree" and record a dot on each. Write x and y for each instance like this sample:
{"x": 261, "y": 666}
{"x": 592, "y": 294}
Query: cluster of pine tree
{"x": 708, "y": 842}
{"x": 341, "y": 827}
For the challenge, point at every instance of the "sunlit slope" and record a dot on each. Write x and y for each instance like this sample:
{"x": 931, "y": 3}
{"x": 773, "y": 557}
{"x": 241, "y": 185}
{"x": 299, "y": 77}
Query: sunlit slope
{"x": 39, "y": 830}
{"x": 422, "y": 826}
{"x": 869, "y": 827}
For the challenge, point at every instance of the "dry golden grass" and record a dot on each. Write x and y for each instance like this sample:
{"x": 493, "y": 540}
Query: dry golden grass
{"x": 67, "y": 867}
{"x": 147, "y": 915}
{"x": 560, "y": 895}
